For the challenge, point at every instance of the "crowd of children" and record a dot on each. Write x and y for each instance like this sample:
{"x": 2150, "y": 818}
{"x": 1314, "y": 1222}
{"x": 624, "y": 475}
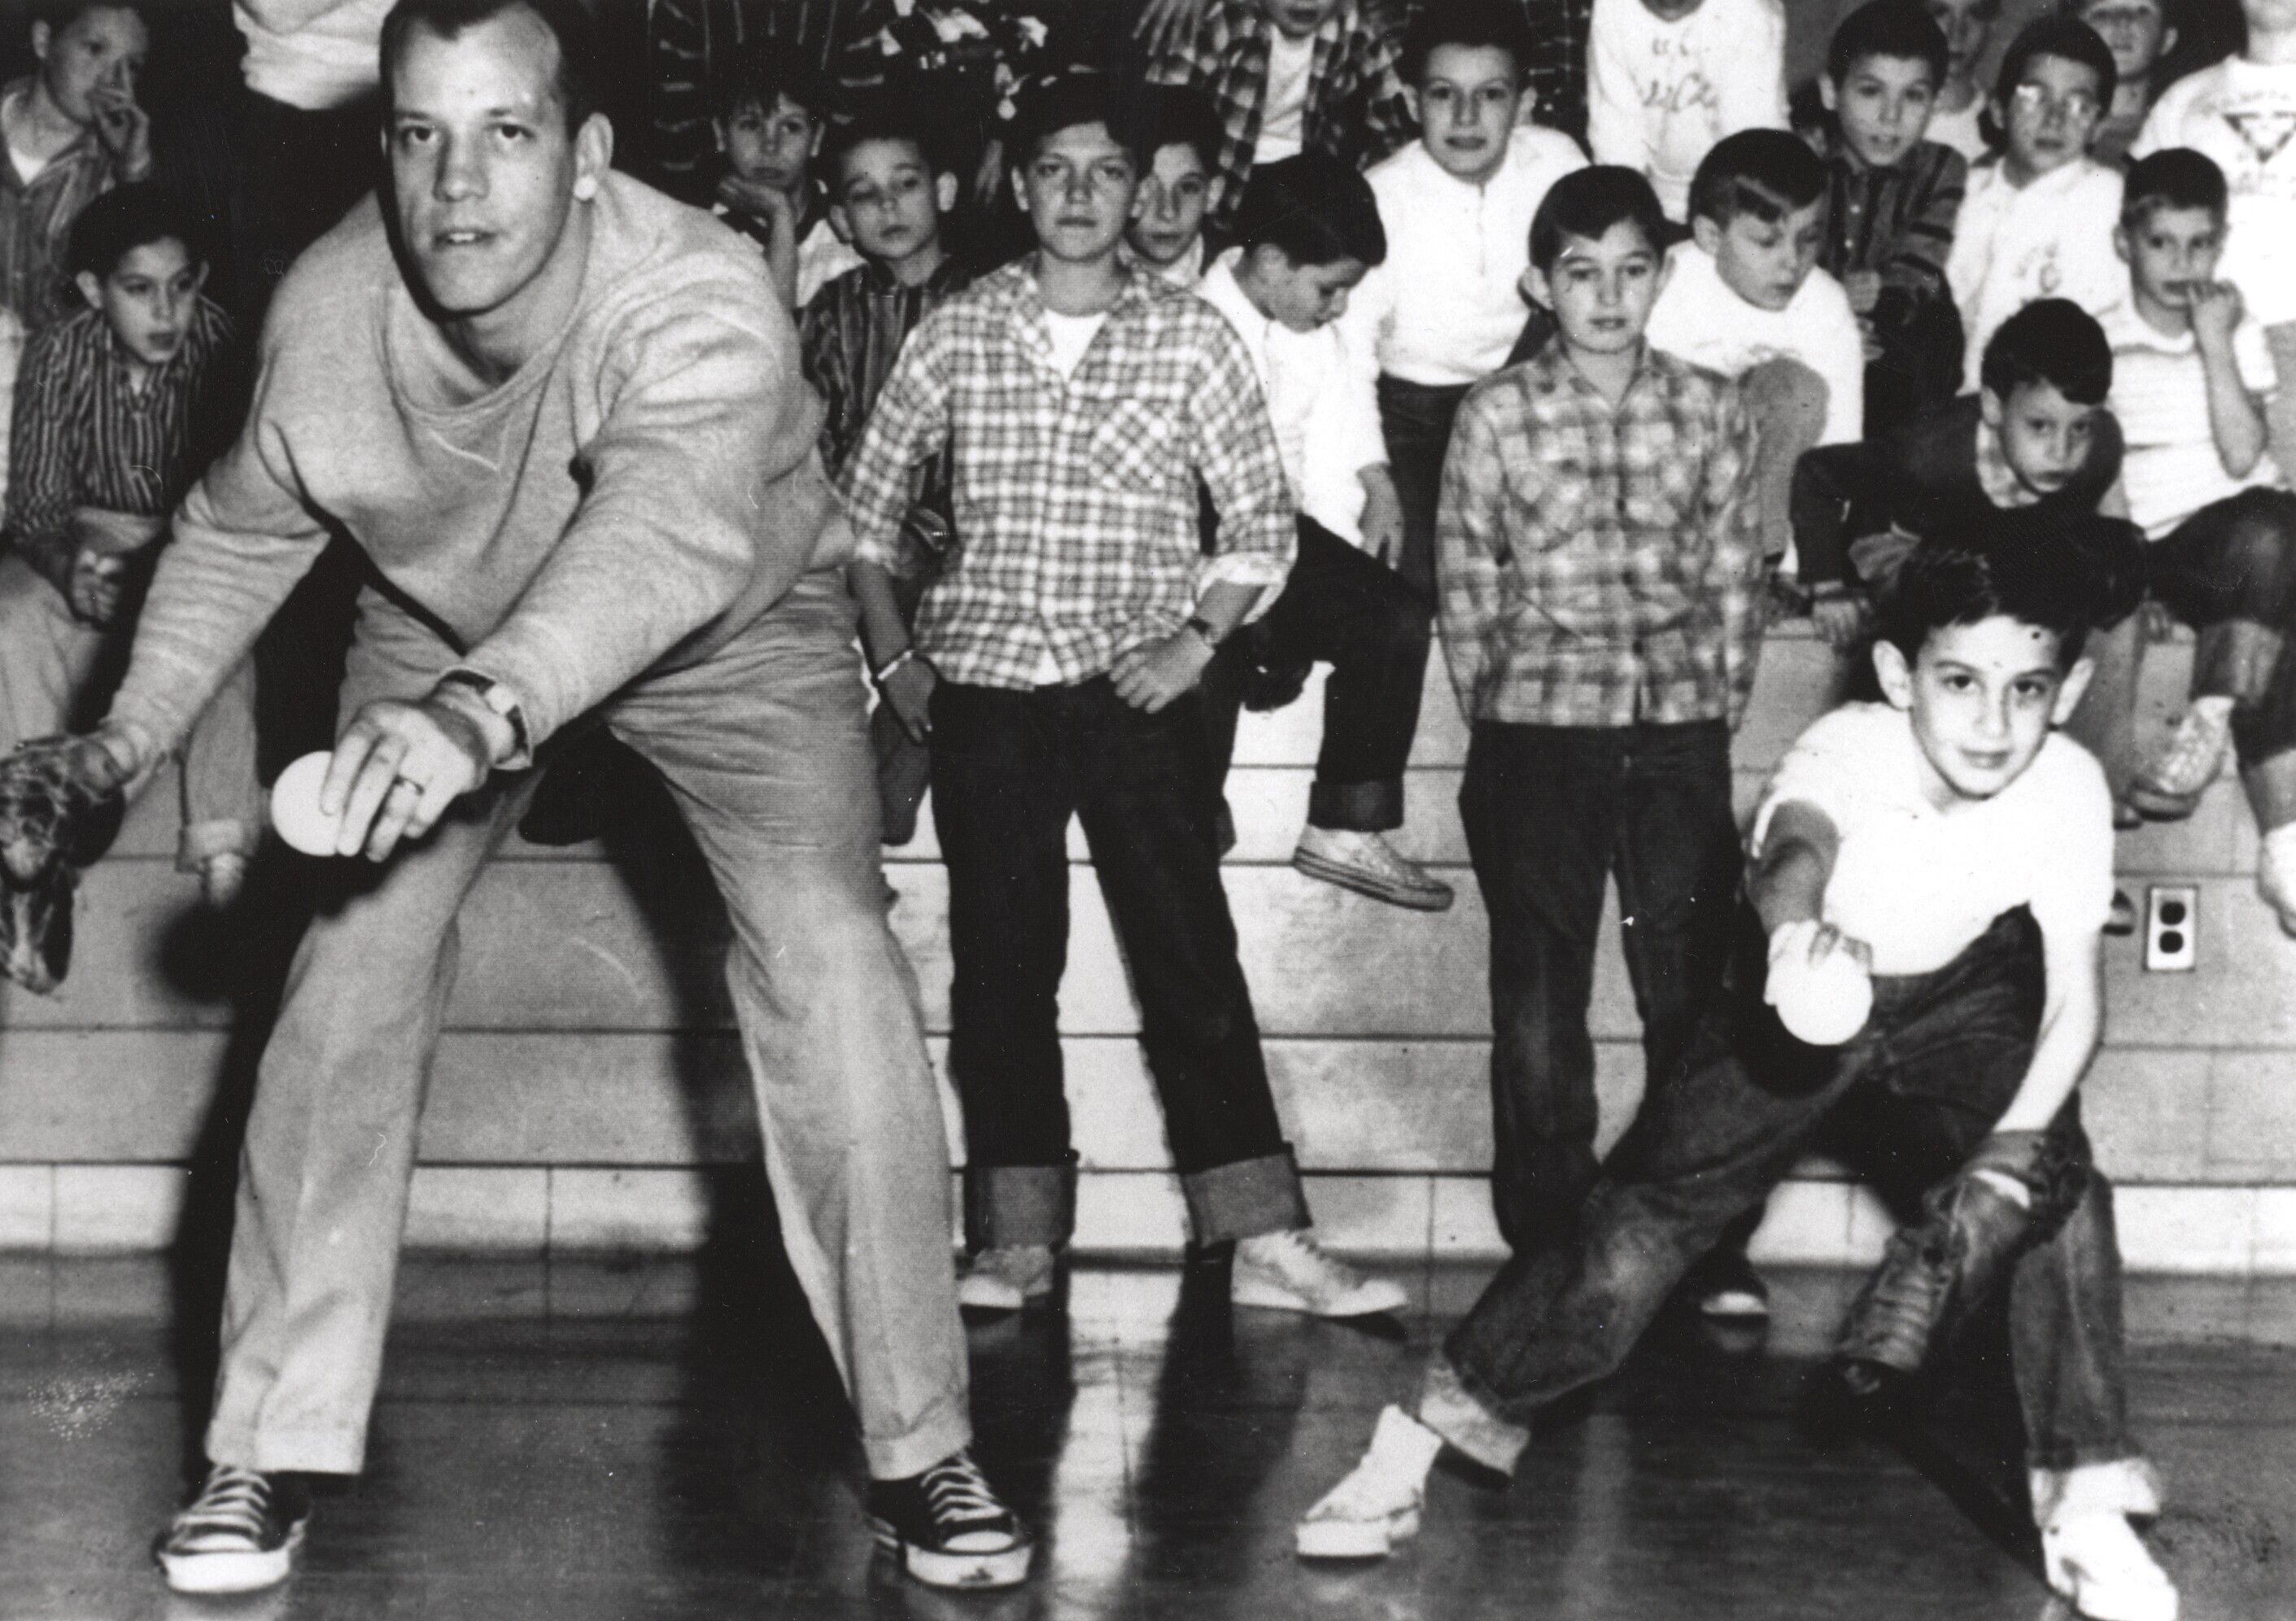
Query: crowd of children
{"x": 1321, "y": 335}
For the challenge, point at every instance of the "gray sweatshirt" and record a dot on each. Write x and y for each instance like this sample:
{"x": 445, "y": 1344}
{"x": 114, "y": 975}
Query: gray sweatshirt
{"x": 642, "y": 489}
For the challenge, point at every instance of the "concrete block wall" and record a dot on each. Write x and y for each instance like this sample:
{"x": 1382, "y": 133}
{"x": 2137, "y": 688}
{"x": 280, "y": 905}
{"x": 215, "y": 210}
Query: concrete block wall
{"x": 589, "y": 1089}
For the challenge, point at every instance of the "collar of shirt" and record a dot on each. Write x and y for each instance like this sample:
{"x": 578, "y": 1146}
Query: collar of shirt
{"x": 85, "y": 148}
{"x": 1995, "y": 476}
{"x": 877, "y": 280}
{"x": 1024, "y": 301}
{"x": 1551, "y": 371}
{"x": 1184, "y": 272}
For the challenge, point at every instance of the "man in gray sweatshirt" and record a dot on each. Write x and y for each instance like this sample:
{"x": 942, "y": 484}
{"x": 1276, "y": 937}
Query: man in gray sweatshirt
{"x": 563, "y": 417}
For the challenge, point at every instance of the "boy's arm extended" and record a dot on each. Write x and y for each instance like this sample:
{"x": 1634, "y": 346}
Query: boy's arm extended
{"x": 1470, "y": 554}
{"x": 2234, "y": 419}
{"x": 909, "y": 425}
{"x": 1787, "y": 881}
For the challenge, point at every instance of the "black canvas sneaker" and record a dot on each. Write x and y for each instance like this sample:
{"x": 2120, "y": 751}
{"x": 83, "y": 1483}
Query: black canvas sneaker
{"x": 948, "y": 1528}
{"x": 239, "y": 1535}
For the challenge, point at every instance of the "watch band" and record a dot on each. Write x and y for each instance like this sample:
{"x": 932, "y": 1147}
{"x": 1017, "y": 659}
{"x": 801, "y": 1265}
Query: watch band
{"x": 498, "y": 701}
{"x": 1206, "y": 631}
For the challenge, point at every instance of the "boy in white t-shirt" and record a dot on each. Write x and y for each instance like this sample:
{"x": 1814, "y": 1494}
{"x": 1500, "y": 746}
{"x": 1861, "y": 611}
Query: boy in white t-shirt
{"x": 1934, "y": 869}
{"x": 2240, "y": 113}
{"x": 1667, "y": 78}
{"x": 2038, "y": 221}
{"x": 1744, "y": 297}
{"x": 2189, "y": 373}
{"x": 1959, "y": 120}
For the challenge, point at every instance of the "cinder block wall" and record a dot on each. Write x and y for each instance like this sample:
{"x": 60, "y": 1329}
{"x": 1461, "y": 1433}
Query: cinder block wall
{"x": 588, "y": 1090}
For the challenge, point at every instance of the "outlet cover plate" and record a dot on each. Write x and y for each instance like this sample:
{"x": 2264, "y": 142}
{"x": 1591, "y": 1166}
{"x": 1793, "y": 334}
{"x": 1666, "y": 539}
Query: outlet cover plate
{"x": 2172, "y": 916}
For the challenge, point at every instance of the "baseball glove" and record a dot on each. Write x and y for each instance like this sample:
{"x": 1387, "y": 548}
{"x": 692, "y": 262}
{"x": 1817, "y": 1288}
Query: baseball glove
{"x": 61, "y": 803}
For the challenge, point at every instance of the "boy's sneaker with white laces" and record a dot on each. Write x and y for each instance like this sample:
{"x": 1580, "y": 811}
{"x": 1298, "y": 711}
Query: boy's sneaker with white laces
{"x": 2100, "y": 1563}
{"x": 1008, "y": 1278}
{"x": 1289, "y": 1271}
{"x": 948, "y": 1527}
{"x": 1377, "y": 1505}
{"x": 1367, "y": 864}
{"x": 240, "y": 1534}
{"x": 2169, "y": 788}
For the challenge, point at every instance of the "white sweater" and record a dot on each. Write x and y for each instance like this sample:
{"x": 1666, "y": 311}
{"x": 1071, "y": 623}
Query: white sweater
{"x": 1659, "y": 94}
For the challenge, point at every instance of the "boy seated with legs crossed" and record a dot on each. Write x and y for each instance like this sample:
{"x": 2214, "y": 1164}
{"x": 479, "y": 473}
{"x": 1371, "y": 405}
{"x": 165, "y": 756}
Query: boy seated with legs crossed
{"x": 1308, "y": 230}
{"x": 1891, "y": 199}
{"x": 1601, "y": 579}
{"x": 2190, "y": 374}
{"x": 1166, "y": 233}
{"x": 1929, "y": 875}
{"x": 117, "y": 411}
{"x": 1060, "y": 653}
{"x": 1744, "y": 297}
{"x": 889, "y": 196}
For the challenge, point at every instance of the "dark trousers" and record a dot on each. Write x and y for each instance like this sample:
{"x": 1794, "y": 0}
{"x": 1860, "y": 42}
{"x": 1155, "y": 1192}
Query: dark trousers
{"x": 1415, "y": 419}
{"x": 1550, "y": 811}
{"x": 1919, "y": 366}
{"x": 1343, "y": 607}
{"x": 1906, "y": 1101}
{"x": 2235, "y": 561}
{"x": 1009, "y": 769}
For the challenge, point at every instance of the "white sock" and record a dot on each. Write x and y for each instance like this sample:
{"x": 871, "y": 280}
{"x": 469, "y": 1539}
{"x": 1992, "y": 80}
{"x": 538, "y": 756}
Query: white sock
{"x": 1402, "y": 1448}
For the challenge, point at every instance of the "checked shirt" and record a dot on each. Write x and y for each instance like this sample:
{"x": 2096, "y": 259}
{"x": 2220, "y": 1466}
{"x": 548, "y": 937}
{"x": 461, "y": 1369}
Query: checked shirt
{"x": 1600, "y": 566}
{"x": 1075, "y": 497}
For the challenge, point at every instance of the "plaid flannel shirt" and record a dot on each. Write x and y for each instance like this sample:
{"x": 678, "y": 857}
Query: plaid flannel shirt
{"x": 1075, "y": 497}
{"x": 1357, "y": 110}
{"x": 1897, "y": 220}
{"x": 1600, "y": 566}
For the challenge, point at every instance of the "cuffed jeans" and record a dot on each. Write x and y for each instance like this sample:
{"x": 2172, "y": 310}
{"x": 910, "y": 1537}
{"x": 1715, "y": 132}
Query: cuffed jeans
{"x": 58, "y": 673}
{"x": 1344, "y": 607}
{"x": 1907, "y": 1099}
{"x": 766, "y": 752}
{"x": 1550, "y": 812}
{"x": 1010, "y": 768}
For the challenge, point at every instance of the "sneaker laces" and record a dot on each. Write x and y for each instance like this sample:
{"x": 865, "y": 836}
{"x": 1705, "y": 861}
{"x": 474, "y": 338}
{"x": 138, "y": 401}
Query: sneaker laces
{"x": 1295, "y": 1253}
{"x": 233, "y": 1501}
{"x": 2196, "y": 746}
{"x": 956, "y": 1492}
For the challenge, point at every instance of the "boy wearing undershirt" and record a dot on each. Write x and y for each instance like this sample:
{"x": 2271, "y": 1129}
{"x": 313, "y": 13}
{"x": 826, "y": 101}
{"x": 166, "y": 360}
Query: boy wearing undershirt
{"x": 1947, "y": 860}
{"x": 73, "y": 130}
{"x": 1057, "y": 659}
{"x": 1287, "y": 77}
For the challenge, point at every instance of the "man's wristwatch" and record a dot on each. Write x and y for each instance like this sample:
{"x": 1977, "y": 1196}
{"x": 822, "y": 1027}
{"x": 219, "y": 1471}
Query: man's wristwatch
{"x": 506, "y": 742}
{"x": 1206, "y": 631}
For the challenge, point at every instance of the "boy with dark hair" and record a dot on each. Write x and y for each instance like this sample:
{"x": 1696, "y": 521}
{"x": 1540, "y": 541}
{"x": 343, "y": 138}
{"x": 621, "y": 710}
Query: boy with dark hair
{"x": 1182, "y": 137}
{"x": 1959, "y": 118}
{"x": 1446, "y": 310}
{"x": 771, "y": 114}
{"x": 2139, "y": 33}
{"x": 1891, "y": 199}
{"x": 1929, "y": 877}
{"x": 1744, "y": 297}
{"x": 1667, "y": 78}
{"x": 1286, "y": 76}
{"x": 889, "y": 198}
{"x": 1059, "y": 656}
{"x": 1308, "y": 232}
{"x": 117, "y": 411}
{"x": 2038, "y": 221}
{"x": 73, "y": 130}
{"x": 2190, "y": 372}
{"x": 1601, "y": 574}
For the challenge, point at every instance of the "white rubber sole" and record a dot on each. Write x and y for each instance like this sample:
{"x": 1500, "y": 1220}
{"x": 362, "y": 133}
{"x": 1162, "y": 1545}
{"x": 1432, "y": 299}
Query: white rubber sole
{"x": 224, "y": 1573}
{"x": 1364, "y": 883}
{"x": 1008, "y": 1567}
{"x": 1354, "y": 1539}
{"x": 1371, "y": 1301}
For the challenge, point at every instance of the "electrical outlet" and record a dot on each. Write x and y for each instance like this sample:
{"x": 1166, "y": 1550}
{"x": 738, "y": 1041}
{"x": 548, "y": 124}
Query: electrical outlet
{"x": 2172, "y": 918}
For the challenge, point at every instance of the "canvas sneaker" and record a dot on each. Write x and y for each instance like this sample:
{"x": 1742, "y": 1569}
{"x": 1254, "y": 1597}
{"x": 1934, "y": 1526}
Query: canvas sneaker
{"x": 948, "y": 1527}
{"x": 1367, "y": 864}
{"x": 1377, "y": 1505}
{"x": 2100, "y": 1563}
{"x": 2169, "y": 788}
{"x": 1289, "y": 1271}
{"x": 1007, "y": 1279}
{"x": 240, "y": 1534}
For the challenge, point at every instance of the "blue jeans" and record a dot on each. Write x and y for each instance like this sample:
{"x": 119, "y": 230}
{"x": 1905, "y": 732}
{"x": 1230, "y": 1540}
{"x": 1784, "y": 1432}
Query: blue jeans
{"x": 1906, "y": 1101}
{"x": 1550, "y": 812}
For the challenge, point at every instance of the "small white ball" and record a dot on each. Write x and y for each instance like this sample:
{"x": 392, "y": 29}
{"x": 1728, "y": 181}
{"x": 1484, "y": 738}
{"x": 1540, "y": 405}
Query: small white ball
{"x": 295, "y": 806}
{"x": 1823, "y": 1006}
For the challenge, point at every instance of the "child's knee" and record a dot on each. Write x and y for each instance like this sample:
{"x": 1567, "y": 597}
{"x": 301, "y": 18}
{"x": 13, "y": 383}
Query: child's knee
{"x": 1787, "y": 401}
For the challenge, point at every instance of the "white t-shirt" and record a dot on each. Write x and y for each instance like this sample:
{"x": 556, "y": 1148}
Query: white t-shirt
{"x": 1959, "y": 130}
{"x": 2051, "y": 238}
{"x": 1326, "y": 431}
{"x": 1447, "y": 307}
{"x": 1283, "y": 111}
{"x": 1660, "y": 93}
{"x": 1918, "y": 884}
{"x": 1698, "y": 318}
{"x": 2161, "y": 397}
{"x": 2242, "y": 114}
{"x": 1072, "y": 336}
{"x": 329, "y": 62}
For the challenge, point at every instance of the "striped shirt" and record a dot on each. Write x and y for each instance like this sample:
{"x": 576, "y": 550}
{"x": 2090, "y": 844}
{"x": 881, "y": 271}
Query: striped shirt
{"x": 84, "y": 436}
{"x": 35, "y": 222}
{"x": 1076, "y": 495}
{"x": 1897, "y": 220}
{"x": 1356, "y": 108}
{"x": 2161, "y": 397}
{"x": 1600, "y": 565}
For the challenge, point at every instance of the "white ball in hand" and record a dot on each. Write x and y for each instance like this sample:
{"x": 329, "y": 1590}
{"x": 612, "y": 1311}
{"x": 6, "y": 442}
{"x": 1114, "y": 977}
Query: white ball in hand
{"x": 1824, "y": 1005}
{"x": 295, "y": 806}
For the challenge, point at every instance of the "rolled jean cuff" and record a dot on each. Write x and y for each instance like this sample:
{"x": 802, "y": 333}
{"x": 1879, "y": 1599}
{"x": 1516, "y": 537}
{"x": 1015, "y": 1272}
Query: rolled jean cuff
{"x": 1356, "y": 807}
{"x": 200, "y": 841}
{"x": 1245, "y": 1198}
{"x": 1016, "y": 1206}
{"x": 2118, "y": 1486}
{"x": 1467, "y": 1421}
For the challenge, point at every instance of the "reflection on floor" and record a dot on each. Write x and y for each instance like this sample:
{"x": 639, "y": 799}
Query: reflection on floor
{"x": 646, "y": 1441}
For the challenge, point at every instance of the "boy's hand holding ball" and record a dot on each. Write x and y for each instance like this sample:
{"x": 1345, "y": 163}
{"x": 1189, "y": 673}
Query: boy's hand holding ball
{"x": 1820, "y": 982}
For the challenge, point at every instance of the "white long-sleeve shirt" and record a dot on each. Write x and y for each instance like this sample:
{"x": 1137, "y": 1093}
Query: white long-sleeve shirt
{"x": 1325, "y": 431}
{"x": 1699, "y": 318}
{"x": 1447, "y": 307}
{"x": 2050, "y": 238}
{"x": 1659, "y": 94}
